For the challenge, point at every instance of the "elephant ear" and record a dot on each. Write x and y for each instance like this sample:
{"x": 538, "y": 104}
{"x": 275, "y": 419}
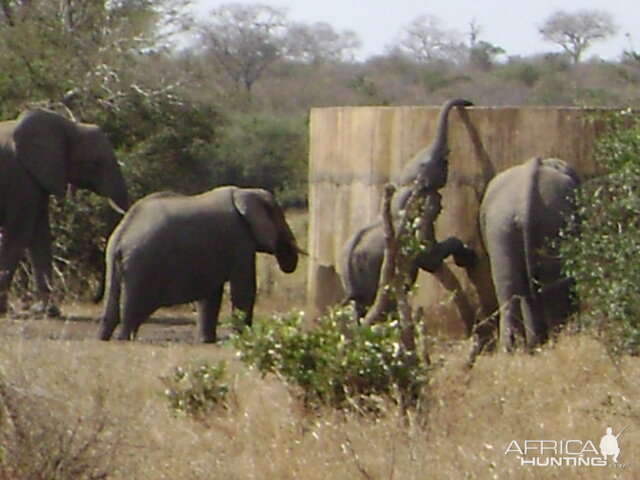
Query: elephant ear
{"x": 255, "y": 205}
{"x": 42, "y": 145}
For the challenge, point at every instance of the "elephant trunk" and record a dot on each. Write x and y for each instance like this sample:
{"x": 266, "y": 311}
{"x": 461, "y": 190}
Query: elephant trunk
{"x": 430, "y": 167}
{"x": 118, "y": 195}
{"x": 287, "y": 252}
{"x": 440, "y": 148}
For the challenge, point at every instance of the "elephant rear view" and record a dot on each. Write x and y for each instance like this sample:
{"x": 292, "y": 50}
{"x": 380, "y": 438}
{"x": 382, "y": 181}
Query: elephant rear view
{"x": 171, "y": 249}
{"x": 523, "y": 210}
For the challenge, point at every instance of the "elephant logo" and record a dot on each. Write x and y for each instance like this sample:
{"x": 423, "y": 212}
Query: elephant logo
{"x": 609, "y": 444}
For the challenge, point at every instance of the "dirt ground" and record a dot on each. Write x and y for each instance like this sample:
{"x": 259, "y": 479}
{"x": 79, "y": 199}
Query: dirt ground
{"x": 79, "y": 321}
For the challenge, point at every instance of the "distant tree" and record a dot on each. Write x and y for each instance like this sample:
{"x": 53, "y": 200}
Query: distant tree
{"x": 426, "y": 40}
{"x": 245, "y": 40}
{"x": 482, "y": 54}
{"x": 575, "y": 32}
{"x": 319, "y": 42}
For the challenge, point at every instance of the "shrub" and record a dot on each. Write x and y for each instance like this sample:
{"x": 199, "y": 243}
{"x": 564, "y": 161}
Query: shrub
{"x": 38, "y": 441}
{"x": 197, "y": 389}
{"x": 603, "y": 259}
{"x": 337, "y": 363}
{"x": 263, "y": 151}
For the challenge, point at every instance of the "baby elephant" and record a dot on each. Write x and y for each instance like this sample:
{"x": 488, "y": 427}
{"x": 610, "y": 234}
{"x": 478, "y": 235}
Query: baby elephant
{"x": 524, "y": 208}
{"x": 171, "y": 249}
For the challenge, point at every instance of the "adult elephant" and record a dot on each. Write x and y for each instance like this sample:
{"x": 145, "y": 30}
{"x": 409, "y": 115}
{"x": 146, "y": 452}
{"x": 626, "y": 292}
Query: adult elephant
{"x": 171, "y": 249}
{"x": 361, "y": 256}
{"x": 41, "y": 154}
{"x": 523, "y": 210}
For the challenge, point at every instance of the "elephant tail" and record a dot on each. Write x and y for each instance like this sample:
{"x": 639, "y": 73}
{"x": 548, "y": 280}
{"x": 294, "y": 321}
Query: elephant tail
{"x": 112, "y": 291}
{"x": 533, "y": 175}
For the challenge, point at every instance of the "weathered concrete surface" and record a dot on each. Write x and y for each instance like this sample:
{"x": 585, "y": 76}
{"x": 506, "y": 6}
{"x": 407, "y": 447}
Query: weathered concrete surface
{"x": 354, "y": 151}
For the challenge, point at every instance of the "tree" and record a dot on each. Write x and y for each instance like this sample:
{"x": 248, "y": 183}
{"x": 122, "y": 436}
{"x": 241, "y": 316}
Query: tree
{"x": 319, "y": 42}
{"x": 575, "y": 32}
{"x": 426, "y": 40}
{"x": 482, "y": 54}
{"x": 77, "y": 53}
{"x": 245, "y": 40}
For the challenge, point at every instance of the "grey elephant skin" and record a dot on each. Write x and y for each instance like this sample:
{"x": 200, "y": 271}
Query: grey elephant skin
{"x": 523, "y": 210}
{"x": 361, "y": 257}
{"x": 42, "y": 153}
{"x": 171, "y": 249}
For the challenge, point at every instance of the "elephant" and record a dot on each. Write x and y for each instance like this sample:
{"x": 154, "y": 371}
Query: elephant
{"x": 522, "y": 212}
{"x": 361, "y": 256}
{"x": 361, "y": 259}
{"x": 430, "y": 166}
{"x": 41, "y": 154}
{"x": 171, "y": 249}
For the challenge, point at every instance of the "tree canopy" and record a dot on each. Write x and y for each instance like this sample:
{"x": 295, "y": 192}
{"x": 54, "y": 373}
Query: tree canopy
{"x": 575, "y": 32}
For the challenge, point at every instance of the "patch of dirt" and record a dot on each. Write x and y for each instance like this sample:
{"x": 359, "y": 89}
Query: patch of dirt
{"x": 81, "y": 321}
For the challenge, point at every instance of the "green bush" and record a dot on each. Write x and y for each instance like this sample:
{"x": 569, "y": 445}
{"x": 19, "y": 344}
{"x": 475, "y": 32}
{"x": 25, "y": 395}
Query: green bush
{"x": 263, "y": 151}
{"x": 337, "y": 363}
{"x": 603, "y": 259}
{"x": 197, "y": 389}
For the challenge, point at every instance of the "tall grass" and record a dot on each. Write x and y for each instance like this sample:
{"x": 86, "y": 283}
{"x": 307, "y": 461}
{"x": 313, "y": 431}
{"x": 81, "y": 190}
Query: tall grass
{"x": 100, "y": 406}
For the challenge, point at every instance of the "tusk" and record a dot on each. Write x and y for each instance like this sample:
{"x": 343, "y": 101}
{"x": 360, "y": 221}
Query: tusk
{"x": 301, "y": 251}
{"x": 115, "y": 206}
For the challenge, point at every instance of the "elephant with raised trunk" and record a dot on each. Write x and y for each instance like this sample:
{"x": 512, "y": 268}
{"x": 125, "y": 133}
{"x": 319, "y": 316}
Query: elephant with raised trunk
{"x": 41, "y": 154}
{"x": 523, "y": 210}
{"x": 362, "y": 255}
{"x": 171, "y": 249}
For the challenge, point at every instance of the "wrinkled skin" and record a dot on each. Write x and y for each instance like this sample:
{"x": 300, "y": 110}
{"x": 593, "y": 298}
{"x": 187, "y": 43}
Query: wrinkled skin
{"x": 42, "y": 153}
{"x": 361, "y": 256}
{"x": 523, "y": 210}
{"x": 171, "y": 249}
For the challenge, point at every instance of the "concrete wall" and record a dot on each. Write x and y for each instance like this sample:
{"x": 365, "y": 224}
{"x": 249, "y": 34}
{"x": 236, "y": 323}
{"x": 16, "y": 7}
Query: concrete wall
{"x": 354, "y": 151}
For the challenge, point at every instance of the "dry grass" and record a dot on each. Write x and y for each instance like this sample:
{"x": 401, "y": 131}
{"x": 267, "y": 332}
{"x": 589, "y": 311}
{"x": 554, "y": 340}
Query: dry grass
{"x": 75, "y": 408}
{"x": 110, "y": 395}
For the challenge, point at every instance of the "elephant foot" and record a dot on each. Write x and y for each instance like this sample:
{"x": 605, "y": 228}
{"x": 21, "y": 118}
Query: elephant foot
{"x": 39, "y": 309}
{"x": 53, "y": 311}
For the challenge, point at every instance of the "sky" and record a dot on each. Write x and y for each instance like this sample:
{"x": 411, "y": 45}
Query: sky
{"x": 510, "y": 24}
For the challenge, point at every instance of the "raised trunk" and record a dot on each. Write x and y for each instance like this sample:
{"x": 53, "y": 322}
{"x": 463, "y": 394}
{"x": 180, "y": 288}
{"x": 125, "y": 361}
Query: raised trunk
{"x": 430, "y": 166}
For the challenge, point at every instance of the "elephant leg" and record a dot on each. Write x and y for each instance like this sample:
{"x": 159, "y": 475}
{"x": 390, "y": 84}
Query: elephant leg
{"x": 509, "y": 279}
{"x": 6, "y": 277}
{"x": 14, "y": 242}
{"x": 510, "y": 320}
{"x": 41, "y": 257}
{"x": 243, "y": 289}
{"x": 111, "y": 314}
{"x": 133, "y": 311}
{"x": 208, "y": 311}
{"x": 535, "y": 329}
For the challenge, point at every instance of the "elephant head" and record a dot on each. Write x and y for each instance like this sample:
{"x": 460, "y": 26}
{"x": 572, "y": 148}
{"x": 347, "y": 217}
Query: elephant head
{"x": 268, "y": 226}
{"x": 58, "y": 152}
